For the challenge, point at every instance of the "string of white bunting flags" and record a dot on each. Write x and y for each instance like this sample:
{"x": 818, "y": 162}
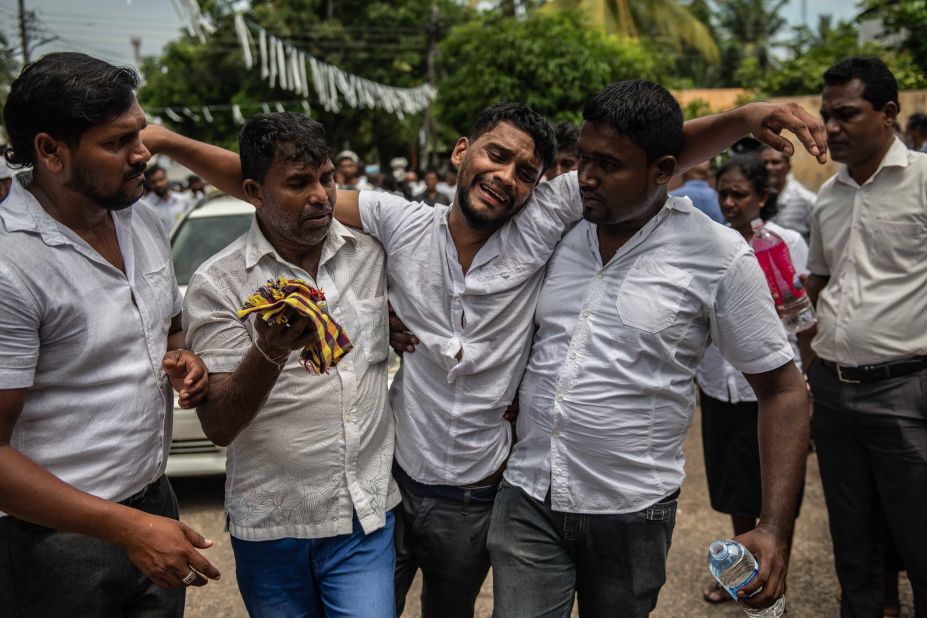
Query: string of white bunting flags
{"x": 200, "y": 113}
{"x": 289, "y": 68}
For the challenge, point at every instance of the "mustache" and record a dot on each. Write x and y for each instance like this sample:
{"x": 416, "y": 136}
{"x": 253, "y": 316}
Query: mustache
{"x": 496, "y": 187}
{"x": 590, "y": 194}
{"x": 137, "y": 171}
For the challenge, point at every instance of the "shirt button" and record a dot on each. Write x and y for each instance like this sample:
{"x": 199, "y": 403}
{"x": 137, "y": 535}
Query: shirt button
{"x": 585, "y": 313}
{"x": 600, "y": 275}
{"x": 572, "y": 354}
{"x": 559, "y": 397}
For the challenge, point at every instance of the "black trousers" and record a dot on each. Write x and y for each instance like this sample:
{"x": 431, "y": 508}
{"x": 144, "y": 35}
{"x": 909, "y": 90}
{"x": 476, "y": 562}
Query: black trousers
{"x": 45, "y": 572}
{"x": 442, "y": 531}
{"x": 871, "y": 442}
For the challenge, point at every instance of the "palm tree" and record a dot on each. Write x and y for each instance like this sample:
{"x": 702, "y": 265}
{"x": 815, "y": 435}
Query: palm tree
{"x": 667, "y": 22}
{"x": 752, "y": 25}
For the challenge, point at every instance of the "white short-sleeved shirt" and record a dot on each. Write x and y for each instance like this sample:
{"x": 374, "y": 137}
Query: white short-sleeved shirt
{"x": 871, "y": 240}
{"x": 450, "y": 428}
{"x": 717, "y": 377}
{"x": 168, "y": 210}
{"x": 321, "y": 447}
{"x": 795, "y": 204}
{"x": 86, "y": 342}
{"x": 608, "y": 393}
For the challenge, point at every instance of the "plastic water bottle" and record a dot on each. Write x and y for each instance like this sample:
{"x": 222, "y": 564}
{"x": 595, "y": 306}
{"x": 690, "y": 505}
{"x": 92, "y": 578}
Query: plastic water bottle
{"x": 789, "y": 294}
{"x": 734, "y": 567}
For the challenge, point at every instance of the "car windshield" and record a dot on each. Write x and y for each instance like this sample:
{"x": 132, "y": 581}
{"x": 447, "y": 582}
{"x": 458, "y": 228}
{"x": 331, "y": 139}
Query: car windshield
{"x": 199, "y": 238}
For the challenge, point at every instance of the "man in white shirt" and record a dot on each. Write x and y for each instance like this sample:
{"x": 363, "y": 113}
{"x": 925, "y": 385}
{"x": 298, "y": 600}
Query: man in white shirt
{"x": 308, "y": 488}
{"x": 632, "y": 297}
{"x": 868, "y": 260}
{"x": 90, "y": 337}
{"x": 793, "y": 201}
{"x": 169, "y": 206}
{"x": 465, "y": 279}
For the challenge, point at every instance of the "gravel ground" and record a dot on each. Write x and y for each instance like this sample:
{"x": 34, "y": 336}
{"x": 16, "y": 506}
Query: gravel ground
{"x": 812, "y": 582}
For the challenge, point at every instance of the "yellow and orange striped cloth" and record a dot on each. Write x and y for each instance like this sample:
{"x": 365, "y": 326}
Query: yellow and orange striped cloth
{"x": 271, "y": 301}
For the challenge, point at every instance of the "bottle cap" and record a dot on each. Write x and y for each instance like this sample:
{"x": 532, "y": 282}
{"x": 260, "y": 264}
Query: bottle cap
{"x": 718, "y": 550}
{"x": 756, "y": 224}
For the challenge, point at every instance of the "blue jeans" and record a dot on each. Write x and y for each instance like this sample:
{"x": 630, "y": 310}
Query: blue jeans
{"x": 347, "y": 575}
{"x": 616, "y": 564}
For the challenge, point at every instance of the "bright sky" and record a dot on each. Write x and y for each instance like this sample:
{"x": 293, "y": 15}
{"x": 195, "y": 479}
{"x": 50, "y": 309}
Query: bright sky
{"x": 104, "y": 28}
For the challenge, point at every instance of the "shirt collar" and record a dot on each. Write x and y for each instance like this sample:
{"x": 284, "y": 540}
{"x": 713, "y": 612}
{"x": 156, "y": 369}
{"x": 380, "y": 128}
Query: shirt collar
{"x": 257, "y": 245}
{"x": 22, "y": 212}
{"x": 897, "y": 156}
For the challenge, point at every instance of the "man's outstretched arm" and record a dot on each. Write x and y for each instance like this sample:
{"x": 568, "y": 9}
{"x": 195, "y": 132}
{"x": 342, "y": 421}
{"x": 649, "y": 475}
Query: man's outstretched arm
{"x": 708, "y": 136}
{"x": 222, "y": 168}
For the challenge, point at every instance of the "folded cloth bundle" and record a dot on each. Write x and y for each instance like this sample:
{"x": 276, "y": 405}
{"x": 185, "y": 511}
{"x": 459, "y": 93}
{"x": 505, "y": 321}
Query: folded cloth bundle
{"x": 271, "y": 301}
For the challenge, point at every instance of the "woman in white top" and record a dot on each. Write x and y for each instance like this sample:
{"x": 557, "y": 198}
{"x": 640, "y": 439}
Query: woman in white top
{"x": 728, "y": 404}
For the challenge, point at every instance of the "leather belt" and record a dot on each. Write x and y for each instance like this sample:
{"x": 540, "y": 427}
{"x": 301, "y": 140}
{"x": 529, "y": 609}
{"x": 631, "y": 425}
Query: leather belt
{"x": 863, "y": 374}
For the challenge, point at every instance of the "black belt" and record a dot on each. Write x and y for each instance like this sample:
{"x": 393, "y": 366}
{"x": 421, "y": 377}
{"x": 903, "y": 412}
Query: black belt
{"x": 141, "y": 495}
{"x": 873, "y": 373}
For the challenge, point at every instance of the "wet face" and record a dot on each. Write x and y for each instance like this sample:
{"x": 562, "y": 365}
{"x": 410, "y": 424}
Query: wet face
{"x": 566, "y": 161}
{"x": 857, "y": 133}
{"x": 739, "y": 201}
{"x": 497, "y": 173}
{"x": 108, "y": 163}
{"x": 159, "y": 183}
{"x": 616, "y": 182}
{"x": 777, "y": 167}
{"x": 295, "y": 202}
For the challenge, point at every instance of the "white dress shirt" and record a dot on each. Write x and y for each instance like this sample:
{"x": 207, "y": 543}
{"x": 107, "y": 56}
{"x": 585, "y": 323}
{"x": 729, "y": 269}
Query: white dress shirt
{"x": 795, "y": 204}
{"x": 86, "y": 342}
{"x": 717, "y": 377}
{"x": 170, "y": 209}
{"x": 871, "y": 240}
{"x": 321, "y": 447}
{"x": 608, "y": 393}
{"x": 450, "y": 428}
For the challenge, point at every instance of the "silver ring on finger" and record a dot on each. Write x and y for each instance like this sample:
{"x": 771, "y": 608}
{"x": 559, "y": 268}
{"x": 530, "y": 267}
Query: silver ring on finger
{"x": 287, "y": 324}
{"x": 190, "y": 578}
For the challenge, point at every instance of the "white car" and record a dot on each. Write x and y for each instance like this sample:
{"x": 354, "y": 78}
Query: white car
{"x": 197, "y": 236}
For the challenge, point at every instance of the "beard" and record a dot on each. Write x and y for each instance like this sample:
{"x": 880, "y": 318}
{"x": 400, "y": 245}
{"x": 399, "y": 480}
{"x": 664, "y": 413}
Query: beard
{"x": 474, "y": 218}
{"x": 292, "y": 230}
{"x": 87, "y": 183}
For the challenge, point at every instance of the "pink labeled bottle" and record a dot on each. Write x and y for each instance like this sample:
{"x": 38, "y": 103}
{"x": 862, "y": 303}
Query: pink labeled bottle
{"x": 790, "y": 297}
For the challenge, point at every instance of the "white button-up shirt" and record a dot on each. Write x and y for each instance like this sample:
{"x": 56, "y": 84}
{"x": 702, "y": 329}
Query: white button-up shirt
{"x": 170, "y": 209}
{"x": 717, "y": 377}
{"x": 608, "y": 393}
{"x": 871, "y": 240}
{"x": 795, "y": 204}
{"x": 450, "y": 428}
{"x": 321, "y": 446}
{"x": 87, "y": 341}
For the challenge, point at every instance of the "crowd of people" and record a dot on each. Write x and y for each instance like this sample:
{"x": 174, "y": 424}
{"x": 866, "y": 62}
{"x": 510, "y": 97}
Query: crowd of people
{"x": 559, "y": 312}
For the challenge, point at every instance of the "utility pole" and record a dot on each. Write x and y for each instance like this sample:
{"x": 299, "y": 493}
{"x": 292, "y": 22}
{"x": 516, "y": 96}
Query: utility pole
{"x": 137, "y": 49}
{"x": 23, "y": 31}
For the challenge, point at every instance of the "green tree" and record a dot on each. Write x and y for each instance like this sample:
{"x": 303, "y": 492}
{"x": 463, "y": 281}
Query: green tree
{"x": 750, "y": 27}
{"x": 812, "y": 52}
{"x": 9, "y": 67}
{"x": 378, "y": 40}
{"x": 552, "y": 62}
{"x": 908, "y": 18}
{"x": 664, "y": 23}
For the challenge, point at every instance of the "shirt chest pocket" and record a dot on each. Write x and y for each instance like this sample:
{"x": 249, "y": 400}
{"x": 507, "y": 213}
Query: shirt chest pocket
{"x": 651, "y": 294}
{"x": 373, "y": 331}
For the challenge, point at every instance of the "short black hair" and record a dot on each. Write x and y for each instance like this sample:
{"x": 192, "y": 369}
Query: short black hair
{"x": 431, "y": 169}
{"x": 879, "y": 83}
{"x": 64, "y": 94}
{"x": 754, "y": 170}
{"x": 567, "y": 136}
{"x": 151, "y": 170}
{"x": 644, "y": 112}
{"x": 524, "y": 119}
{"x": 917, "y": 121}
{"x": 282, "y": 136}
